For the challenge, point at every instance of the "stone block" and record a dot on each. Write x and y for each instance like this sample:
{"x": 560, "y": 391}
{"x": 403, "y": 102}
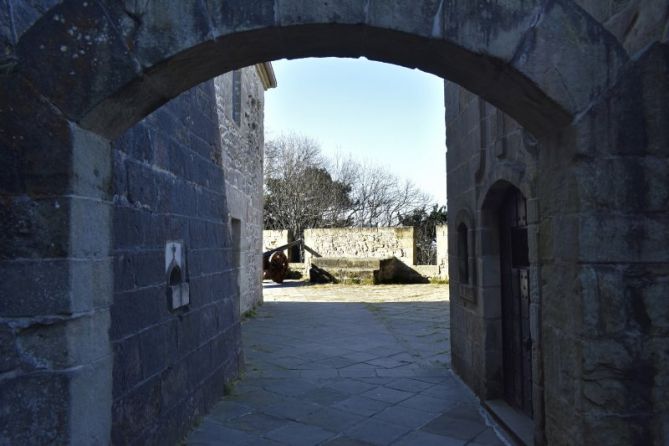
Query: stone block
{"x": 653, "y": 63}
{"x": 560, "y": 297}
{"x": 35, "y": 227}
{"x": 136, "y": 143}
{"x": 46, "y": 282}
{"x": 6, "y": 31}
{"x": 128, "y": 228}
{"x": 620, "y": 238}
{"x": 66, "y": 344}
{"x": 414, "y": 17}
{"x": 90, "y": 228}
{"x": 604, "y": 184}
{"x": 80, "y": 34}
{"x": 127, "y": 370}
{"x": 241, "y": 15}
{"x": 142, "y": 187}
{"x": 143, "y": 27}
{"x": 495, "y": 29}
{"x": 571, "y": 82}
{"x": 302, "y": 12}
{"x": 9, "y": 357}
{"x": 489, "y": 267}
{"x": 91, "y": 164}
{"x": 136, "y": 410}
{"x": 603, "y": 299}
{"x": 491, "y": 302}
{"x": 617, "y": 429}
{"x": 188, "y": 333}
{"x": 36, "y": 163}
{"x": 134, "y": 311}
{"x": 561, "y": 364}
{"x": 33, "y": 410}
{"x": 91, "y": 406}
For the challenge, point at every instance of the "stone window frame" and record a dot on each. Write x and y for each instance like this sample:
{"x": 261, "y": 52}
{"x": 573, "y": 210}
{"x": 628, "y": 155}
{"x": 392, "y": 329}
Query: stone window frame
{"x": 237, "y": 97}
{"x": 467, "y": 286}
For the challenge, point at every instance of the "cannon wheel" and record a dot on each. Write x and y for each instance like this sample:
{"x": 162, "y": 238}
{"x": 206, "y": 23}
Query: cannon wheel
{"x": 278, "y": 267}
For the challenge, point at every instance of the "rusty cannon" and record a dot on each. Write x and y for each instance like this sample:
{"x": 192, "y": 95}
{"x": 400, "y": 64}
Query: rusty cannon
{"x": 275, "y": 263}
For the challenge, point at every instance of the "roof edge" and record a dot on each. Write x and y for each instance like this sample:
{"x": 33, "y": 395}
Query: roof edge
{"x": 266, "y": 74}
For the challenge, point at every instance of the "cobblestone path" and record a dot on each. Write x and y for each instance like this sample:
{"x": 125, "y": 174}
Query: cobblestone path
{"x": 348, "y": 365}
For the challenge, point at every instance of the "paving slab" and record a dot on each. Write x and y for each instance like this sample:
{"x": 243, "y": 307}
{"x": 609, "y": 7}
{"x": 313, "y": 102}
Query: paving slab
{"x": 347, "y": 366}
{"x": 377, "y": 432}
{"x": 299, "y": 434}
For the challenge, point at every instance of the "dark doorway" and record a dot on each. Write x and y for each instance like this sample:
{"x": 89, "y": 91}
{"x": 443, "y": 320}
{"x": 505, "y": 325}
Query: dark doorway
{"x": 516, "y": 338}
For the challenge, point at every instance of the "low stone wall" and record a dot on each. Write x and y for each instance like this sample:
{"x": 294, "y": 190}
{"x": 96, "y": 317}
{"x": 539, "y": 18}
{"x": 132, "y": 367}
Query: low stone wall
{"x": 379, "y": 243}
{"x": 273, "y": 238}
{"x": 428, "y": 270}
{"x": 442, "y": 251}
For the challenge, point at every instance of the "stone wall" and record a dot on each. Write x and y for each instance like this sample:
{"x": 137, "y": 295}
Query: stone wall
{"x": 597, "y": 102}
{"x": 442, "y": 251}
{"x": 362, "y": 242}
{"x": 636, "y": 23}
{"x": 596, "y": 206}
{"x": 273, "y": 238}
{"x": 243, "y": 171}
{"x": 184, "y": 173}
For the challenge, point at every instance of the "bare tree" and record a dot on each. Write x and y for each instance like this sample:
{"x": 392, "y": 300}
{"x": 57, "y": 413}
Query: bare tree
{"x": 299, "y": 191}
{"x": 303, "y": 189}
{"x": 378, "y": 196}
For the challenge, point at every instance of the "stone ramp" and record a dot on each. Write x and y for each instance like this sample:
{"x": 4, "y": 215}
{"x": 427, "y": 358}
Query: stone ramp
{"x": 365, "y": 270}
{"x": 348, "y": 373}
{"x": 345, "y": 269}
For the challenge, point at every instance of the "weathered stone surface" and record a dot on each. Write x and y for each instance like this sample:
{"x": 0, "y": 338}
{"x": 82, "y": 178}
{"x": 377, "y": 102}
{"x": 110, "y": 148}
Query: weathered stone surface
{"x": 37, "y": 163}
{"x": 302, "y": 12}
{"x": 495, "y": 29}
{"x": 156, "y": 31}
{"x": 362, "y": 242}
{"x": 189, "y": 46}
{"x": 240, "y": 15}
{"x": 106, "y": 65}
{"x": 26, "y": 12}
{"x": 9, "y": 358}
{"x": 97, "y": 59}
{"x": 573, "y": 74}
{"x": 422, "y": 18}
{"x": 182, "y": 174}
{"x": 32, "y": 409}
{"x": 600, "y": 219}
{"x": 635, "y": 23}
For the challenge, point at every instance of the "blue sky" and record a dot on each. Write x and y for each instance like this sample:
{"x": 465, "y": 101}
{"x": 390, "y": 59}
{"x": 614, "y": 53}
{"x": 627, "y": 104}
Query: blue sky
{"x": 389, "y": 114}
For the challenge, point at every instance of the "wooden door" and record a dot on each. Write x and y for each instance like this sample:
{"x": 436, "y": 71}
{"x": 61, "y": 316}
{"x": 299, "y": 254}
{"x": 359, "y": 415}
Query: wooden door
{"x": 517, "y": 342}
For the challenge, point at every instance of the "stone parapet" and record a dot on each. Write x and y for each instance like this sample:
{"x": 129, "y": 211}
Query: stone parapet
{"x": 377, "y": 243}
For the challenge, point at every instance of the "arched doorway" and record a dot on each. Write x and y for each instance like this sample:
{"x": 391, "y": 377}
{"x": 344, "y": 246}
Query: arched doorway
{"x": 86, "y": 71}
{"x": 515, "y": 296}
{"x": 511, "y": 303}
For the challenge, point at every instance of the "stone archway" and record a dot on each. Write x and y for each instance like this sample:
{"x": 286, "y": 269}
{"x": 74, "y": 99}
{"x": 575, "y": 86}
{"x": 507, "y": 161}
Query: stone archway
{"x": 79, "y": 73}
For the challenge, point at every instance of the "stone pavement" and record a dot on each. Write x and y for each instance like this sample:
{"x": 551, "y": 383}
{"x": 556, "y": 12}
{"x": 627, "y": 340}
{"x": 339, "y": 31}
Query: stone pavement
{"x": 348, "y": 365}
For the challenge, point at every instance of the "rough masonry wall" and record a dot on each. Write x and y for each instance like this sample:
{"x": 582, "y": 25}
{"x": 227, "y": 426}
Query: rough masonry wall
{"x": 176, "y": 178}
{"x": 635, "y": 23}
{"x": 484, "y": 147}
{"x": 442, "y": 251}
{"x": 273, "y": 238}
{"x": 596, "y": 206}
{"x": 243, "y": 170}
{"x": 362, "y": 242}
